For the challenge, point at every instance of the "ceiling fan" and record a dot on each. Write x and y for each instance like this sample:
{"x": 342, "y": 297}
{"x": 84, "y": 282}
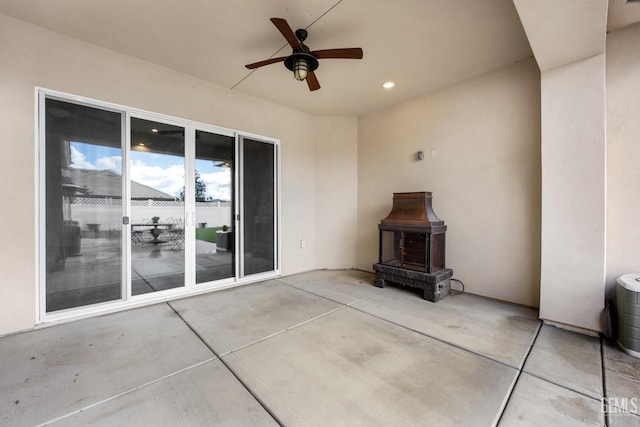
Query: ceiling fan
{"x": 302, "y": 61}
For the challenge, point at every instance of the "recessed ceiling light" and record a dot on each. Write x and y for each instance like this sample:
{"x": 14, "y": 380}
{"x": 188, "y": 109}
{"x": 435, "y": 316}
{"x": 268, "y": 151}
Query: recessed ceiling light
{"x": 388, "y": 85}
{"x": 154, "y": 130}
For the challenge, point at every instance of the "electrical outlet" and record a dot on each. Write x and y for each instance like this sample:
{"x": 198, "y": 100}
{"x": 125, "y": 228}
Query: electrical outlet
{"x": 303, "y": 243}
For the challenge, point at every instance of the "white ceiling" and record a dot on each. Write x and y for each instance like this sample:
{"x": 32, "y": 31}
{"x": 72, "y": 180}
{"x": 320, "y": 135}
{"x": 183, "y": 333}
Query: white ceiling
{"x": 422, "y": 45}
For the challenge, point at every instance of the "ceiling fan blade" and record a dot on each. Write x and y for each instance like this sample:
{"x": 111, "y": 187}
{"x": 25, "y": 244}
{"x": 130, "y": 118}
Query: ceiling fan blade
{"x": 265, "y": 62}
{"x": 349, "y": 53}
{"x": 312, "y": 81}
{"x": 287, "y": 32}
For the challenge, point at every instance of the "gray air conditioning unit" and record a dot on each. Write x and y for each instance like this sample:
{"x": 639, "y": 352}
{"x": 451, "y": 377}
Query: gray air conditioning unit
{"x": 628, "y": 307}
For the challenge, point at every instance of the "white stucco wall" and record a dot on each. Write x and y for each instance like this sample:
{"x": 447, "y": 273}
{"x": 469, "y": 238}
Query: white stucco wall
{"x": 32, "y": 56}
{"x": 623, "y": 153}
{"x": 336, "y": 157}
{"x": 573, "y": 193}
{"x": 485, "y": 177}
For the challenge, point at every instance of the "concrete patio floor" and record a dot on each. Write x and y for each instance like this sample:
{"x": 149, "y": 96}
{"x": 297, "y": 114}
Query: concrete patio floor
{"x": 324, "y": 348}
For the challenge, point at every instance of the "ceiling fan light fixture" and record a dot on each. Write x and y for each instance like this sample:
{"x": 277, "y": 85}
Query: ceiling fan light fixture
{"x": 300, "y": 68}
{"x": 301, "y": 63}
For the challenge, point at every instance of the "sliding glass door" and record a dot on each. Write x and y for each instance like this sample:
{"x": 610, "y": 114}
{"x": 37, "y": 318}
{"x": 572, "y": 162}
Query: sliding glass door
{"x": 214, "y": 243}
{"x": 81, "y": 229}
{"x": 157, "y": 183}
{"x": 258, "y": 206}
{"x": 139, "y": 207}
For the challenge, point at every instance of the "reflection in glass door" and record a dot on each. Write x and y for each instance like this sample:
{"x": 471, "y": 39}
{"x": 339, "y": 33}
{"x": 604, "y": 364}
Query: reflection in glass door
{"x": 83, "y": 205}
{"x": 157, "y": 172}
{"x": 131, "y": 206}
{"x": 214, "y": 174}
{"x": 258, "y": 204}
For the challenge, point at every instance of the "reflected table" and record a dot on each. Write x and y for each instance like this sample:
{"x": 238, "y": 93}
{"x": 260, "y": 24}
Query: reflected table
{"x": 155, "y": 229}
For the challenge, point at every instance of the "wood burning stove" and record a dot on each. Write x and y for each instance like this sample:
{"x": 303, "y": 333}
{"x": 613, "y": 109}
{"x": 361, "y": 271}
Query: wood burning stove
{"x": 412, "y": 247}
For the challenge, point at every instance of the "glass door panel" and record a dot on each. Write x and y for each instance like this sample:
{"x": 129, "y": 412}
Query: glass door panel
{"x": 258, "y": 201}
{"x": 157, "y": 173}
{"x": 83, "y": 205}
{"x": 214, "y": 175}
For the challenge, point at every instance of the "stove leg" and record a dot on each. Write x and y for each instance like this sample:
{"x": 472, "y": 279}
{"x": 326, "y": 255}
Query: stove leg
{"x": 380, "y": 282}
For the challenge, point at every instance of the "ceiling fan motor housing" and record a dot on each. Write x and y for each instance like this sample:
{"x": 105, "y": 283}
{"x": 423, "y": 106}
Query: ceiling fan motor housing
{"x": 301, "y": 34}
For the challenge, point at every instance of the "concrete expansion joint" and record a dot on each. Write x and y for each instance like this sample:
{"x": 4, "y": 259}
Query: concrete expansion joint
{"x": 282, "y": 331}
{"x": 459, "y": 347}
{"x": 124, "y": 393}
{"x": 521, "y": 370}
{"x": 236, "y": 376}
{"x": 382, "y": 291}
{"x": 507, "y": 397}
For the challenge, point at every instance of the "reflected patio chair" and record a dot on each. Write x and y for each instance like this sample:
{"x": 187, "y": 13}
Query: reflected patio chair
{"x": 136, "y": 237}
{"x": 141, "y": 235}
{"x": 175, "y": 234}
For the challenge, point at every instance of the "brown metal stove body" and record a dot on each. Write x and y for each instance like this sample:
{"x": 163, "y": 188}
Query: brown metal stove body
{"x": 412, "y": 246}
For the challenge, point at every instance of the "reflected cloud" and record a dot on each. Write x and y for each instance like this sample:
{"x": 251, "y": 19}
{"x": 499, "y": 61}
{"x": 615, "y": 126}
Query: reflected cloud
{"x": 159, "y": 171}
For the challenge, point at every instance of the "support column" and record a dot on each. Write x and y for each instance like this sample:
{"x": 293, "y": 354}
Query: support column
{"x": 573, "y": 259}
{"x": 568, "y": 40}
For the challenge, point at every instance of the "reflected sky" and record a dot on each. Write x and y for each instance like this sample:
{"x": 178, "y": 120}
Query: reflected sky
{"x": 160, "y": 171}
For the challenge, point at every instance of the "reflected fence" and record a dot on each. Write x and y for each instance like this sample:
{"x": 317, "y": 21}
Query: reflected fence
{"x": 102, "y": 217}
